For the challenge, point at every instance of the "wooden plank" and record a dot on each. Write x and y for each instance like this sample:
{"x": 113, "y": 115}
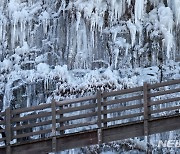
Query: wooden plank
{"x": 164, "y": 92}
{"x": 123, "y": 131}
{"x": 77, "y": 100}
{"x": 33, "y": 147}
{"x": 2, "y": 122}
{"x": 164, "y": 101}
{"x": 122, "y": 108}
{"x": 37, "y": 124}
{"x": 165, "y": 109}
{"x": 168, "y": 123}
{"x": 65, "y": 142}
{"x": 34, "y": 116}
{"x": 99, "y": 134}
{"x": 79, "y": 108}
{"x": 53, "y": 108}
{"x": 77, "y": 125}
{"x": 169, "y": 83}
{"x": 2, "y": 139}
{"x": 8, "y": 125}
{"x": 2, "y": 114}
{"x": 61, "y": 117}
{"x": 77, "y": 140}
{"x": 99, "y": 99}
{"x": 54, "y": 145}
{"x": 76, "y": 117}
{"x": 123, "y": 117}
{"x": 110, "y": 134}
{"x": 120, "y": 92}
{"x": 135, "y": 129}
{"x": 146, "y": 108}
{"x": 122, "y": 100}
{"x": 29, "y": 109}
{"x": 104, "y": 110}
{"x": 8, "y": 130}
{"x": 2, "y": 130}
{"x": 32, "y": 133}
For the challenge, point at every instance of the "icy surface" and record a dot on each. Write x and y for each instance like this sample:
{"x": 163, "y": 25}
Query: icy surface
{"x": 71, "y": 48}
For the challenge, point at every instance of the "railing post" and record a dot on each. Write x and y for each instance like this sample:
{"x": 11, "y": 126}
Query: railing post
{"x": 8, "y": 130}
{"x": 99, "y": 98}
{"x": 146, "y": 112}
{"x": 53, "y": 107}
{"x": 105, "y": 109}
{"x": 146, "y": 108}
{"x": 61, "y": 116}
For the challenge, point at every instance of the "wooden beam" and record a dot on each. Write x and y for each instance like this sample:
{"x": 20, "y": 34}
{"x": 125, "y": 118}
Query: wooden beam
{"x": 123, "y": 108}
{"x": 168, "y": 83}
{"x": 164, "y": 101}
{"x": 76, "y": 117}
{"x": 8, "y": 130}
{"x": 77, "y": 100}
{"x": 120, "y": 92}
{"x": 123, "y": 100}
{"x": 78, "y": 108}
{"x": 34, "y": 116}
{"x": 159, "y": 93}
{"x": 86, "y": 138}
{"x": 146, "y": 108}
{"x": 123, "y": 117}
{"x": 53, "y": 108}
{"x": 32, "y": 108}
{"x": 99, "y": 99}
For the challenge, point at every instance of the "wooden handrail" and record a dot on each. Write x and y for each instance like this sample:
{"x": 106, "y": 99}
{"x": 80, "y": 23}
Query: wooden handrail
{"x": 102, "y": 111}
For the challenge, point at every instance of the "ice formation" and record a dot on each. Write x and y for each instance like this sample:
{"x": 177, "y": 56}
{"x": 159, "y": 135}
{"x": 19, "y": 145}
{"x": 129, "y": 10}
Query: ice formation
{"x": 39, "y": 36}
{"x": 71, "y": 48}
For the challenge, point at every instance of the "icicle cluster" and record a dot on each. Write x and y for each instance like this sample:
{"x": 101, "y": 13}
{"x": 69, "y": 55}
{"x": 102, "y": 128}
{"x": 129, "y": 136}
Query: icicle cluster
{"x": 41, "y": 35}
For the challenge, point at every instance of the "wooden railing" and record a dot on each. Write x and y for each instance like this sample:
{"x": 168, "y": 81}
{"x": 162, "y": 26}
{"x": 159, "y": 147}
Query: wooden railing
{"x": 103, "y": 110}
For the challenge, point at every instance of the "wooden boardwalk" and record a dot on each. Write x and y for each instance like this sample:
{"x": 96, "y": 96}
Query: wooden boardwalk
{"x": 97, "y": 119}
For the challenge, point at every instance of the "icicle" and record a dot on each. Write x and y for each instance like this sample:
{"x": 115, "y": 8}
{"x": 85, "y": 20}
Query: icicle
{"x": 28, "y": 93}
{"x": 8, "y": 96}
{"x": 45, "y": 18}
{"x": 175, "y": 5}
{"x": 129, "y": 2}
{"x": 115, "y": 54}
{"x": 168, "y": 43}
{"x": 166, "y": 26}
{"x": 132, "y": 29}
{"x": 139, "y": 10}
{"x": 78, "y": 16}
{"x": 1, "y": 30}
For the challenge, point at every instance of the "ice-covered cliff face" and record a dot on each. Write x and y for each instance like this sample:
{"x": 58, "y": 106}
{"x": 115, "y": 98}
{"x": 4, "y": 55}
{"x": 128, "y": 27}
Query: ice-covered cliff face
{"x": 38, "y": 37}
{"x": 80, "y": 32}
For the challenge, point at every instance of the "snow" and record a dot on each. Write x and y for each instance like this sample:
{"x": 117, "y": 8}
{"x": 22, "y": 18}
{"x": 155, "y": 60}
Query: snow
{"x": 43, "y": 68}
{"x": 67, "y": 49}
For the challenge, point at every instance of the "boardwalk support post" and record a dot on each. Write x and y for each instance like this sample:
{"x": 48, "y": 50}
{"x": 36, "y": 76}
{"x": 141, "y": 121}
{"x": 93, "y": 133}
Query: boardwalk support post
{"x": 100, "y": 136}
{"x": 54, "y": 145}
{"x": 53, "y": 106}
{"x": 146, "y": 112}
{"x": 105, "y": 109}
{"x": 61, "y": 116}
{"x": 8, "y": 130}
{"x": 99, "y": 132}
